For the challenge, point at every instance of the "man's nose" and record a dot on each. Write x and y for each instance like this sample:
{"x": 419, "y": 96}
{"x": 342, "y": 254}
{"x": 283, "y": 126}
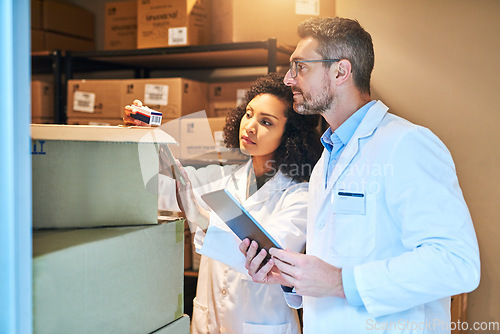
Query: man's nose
{"x": 288, "y": 80}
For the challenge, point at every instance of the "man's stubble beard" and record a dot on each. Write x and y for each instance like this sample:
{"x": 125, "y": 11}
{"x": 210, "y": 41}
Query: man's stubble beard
{"x": 315, "y": 105}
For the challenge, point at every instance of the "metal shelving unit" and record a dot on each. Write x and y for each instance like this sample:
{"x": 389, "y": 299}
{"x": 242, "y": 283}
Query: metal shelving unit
{"x": 51, "y": 62}
{"x": 142, "y": 61}
{"x": 245, "y": 54}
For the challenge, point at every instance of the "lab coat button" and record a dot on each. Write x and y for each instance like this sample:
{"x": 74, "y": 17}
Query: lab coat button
{"x": 224, "y": 292}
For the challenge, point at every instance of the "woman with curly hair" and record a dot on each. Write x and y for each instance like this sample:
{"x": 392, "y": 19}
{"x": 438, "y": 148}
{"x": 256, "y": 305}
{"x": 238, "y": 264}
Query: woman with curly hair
{"x": 283, "y": 147}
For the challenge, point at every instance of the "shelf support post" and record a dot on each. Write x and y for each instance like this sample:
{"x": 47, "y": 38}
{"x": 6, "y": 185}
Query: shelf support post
{"x": 272, "y": 57}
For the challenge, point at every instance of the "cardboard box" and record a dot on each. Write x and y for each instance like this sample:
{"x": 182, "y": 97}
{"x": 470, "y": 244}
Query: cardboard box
{"x": 179, "y": 326}
{"x": 165, "y": 23}
{"x": 243, "y": 21}
{"x": 36, "y": 14}
{"x": 67, "y": 18}
{"x": 95, "y": 121}
{"x": 108, "y": 280}
{"x": 201, "y": 141}
{"x": 48, "y": 41}
{"x": 37, "y": 40}
{"x": 95, "y": 99}
{"x": 86, "y": 176}
{"x": 120, "y": 25}
{"x": 173, "y": 97}
{"x": 42, "y": 120}
{"x": 42, "y": 99}
{"x": 187, "y": 247}
{"x": 56, "y": 41}
{"x": 195, "y": 135}
{"x": 225, "y": 96}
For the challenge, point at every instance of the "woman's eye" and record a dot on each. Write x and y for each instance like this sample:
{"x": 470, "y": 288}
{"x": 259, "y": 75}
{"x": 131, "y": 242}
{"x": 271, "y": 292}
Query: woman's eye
{"x": 247, "y": 114}
{"x": 264, "y": 122}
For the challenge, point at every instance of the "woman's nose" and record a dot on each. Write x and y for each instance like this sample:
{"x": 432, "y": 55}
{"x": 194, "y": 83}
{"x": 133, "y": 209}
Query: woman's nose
{"x": 250, "y": 126}
{"x": 288, "y": 80}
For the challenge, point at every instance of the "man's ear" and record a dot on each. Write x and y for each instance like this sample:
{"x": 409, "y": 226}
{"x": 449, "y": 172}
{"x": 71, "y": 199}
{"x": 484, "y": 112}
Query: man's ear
{"x": 343, "y": 69}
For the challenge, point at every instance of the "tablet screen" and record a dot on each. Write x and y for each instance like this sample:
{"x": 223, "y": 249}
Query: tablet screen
{"x": 238, "y": 219}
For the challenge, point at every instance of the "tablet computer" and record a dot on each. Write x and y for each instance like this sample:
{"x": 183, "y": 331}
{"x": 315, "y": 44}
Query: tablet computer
{"x": 238, "y": 219}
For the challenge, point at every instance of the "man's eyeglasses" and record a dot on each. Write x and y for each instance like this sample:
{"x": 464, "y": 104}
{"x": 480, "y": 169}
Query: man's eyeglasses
{"x": 294, "y": 64}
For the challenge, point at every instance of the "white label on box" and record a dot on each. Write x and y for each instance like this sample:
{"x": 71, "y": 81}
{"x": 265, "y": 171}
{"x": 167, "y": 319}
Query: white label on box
{"x": 240, "y": 95}
{"x": 156, "y": 94}
{"x": 177, "y": 36}
{"x": 307, "y": 7}
{"x": 155, "y": 118}
{"x": 83, "y": 101}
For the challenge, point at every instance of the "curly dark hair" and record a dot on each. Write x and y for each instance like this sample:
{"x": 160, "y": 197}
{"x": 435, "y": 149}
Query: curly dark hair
{"x": 300, "y": 147}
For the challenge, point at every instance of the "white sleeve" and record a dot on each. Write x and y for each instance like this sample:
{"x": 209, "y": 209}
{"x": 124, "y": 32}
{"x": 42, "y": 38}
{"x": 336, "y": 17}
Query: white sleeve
{"x": 425, "y": 200}
{"x": 286, "y": 224}
{"x": 221, "y": 244}
{"x": 203, "y": 180}
{"x": 293, "y": 299}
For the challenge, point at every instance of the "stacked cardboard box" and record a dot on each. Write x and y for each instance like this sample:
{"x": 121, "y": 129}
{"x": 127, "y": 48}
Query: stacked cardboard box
{"x": 166, "y": 23}
{"x": 85, "y": 176}
{"x": 95, "y": 100}
{"x": 42, "y": 102}
{"x": 95, "y": 121}
{"x": 173, "y": 97}
{"x": 101, "y": 260}
{"x": 279, "y": 19}
{"x": 156, "y": 24}
{"x": 108, "y": 280}
{"x": 179, "y": 326}
{"x": 102, "y": 101}
{"x": 225, "y": 96}
{"x": 120, "y": 25}
{"x": 58, "y": 25}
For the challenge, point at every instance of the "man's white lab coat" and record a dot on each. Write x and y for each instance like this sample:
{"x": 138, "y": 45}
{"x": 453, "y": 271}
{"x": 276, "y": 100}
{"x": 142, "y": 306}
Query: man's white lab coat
{"x": 393, "y": 211}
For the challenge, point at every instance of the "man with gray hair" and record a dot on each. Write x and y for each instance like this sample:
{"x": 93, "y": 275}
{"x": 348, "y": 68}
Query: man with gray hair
{"x": 389, "y": 235}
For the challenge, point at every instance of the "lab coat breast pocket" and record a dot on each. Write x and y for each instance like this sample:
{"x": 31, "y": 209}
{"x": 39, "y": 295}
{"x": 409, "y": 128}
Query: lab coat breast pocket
{"x": 354, "y": 224}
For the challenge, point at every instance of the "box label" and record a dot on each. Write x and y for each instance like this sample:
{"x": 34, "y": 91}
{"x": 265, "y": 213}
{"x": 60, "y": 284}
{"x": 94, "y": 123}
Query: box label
{"x": 240, "y": 95}
{"x": 83, "y": 101}
{"x": 177, "y": 36}
{"x": 155, "y": 118}
{"x": 156, "y": 94}
{"x": 307, "y": 7}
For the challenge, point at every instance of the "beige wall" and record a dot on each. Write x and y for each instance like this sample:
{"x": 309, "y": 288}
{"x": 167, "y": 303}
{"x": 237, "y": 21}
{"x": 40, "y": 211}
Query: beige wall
{"x": 437, "y": 63}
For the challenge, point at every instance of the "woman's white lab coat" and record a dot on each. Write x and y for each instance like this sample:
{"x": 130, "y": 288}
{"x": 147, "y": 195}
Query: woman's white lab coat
{"x": 227, "y": 300}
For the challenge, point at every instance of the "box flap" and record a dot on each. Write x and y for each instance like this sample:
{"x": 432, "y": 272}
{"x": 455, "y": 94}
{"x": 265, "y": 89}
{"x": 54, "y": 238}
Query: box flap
{"x": 135, "y": 134}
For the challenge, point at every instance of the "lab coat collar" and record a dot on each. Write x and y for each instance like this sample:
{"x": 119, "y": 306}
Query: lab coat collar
{"x": 365, "y": 129}
{"x": 279, "y": 182}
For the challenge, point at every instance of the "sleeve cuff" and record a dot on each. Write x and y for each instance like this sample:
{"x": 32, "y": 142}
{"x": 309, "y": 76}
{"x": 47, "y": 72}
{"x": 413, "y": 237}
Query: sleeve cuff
{"x": 291, "y": 297}
{"x": 350, "y": 288}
